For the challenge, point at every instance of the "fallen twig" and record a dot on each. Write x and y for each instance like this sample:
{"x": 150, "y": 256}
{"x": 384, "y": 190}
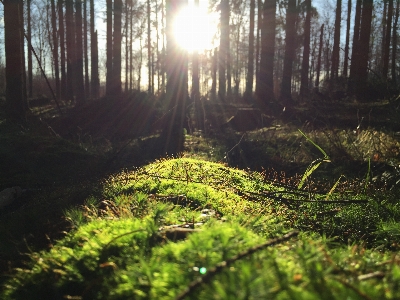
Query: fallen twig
{"x": 224, "y": 264}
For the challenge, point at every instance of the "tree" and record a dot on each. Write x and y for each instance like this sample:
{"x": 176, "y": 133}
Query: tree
{"x": 321, "y": 36}
{"x": 223, "y": 49}
{"x": 355, "y": 50}
{"x": 71, "y": 55}
{"x": 80, "y": 87}
{"x": 63, "y": 82}
{"x": 149, "y": 54}
{"x": 336, "y": 41}
{"x": 117, "y": 85}
{"x": 109, "y": 50}
{"x": 346, "y": 47}
{"x": 394, "y": 42}
{"x": 306, "y": 52}
{"x": 265, "y": 76}
{"x": 85, "y": 50}
{"x": 290, "y": 51}
{"x": 15, "y": 67}
{"x": 94, "y": 67}
{"x": 250, "y": 59}
{"x": 55, "y": 47}
{"x": 29, "y": 36}
{"x": 176, "y": 90}
{"x": 386, "y": 53}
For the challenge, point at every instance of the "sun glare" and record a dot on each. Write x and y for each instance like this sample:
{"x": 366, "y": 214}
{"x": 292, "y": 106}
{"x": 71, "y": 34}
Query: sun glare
{"x": 194, "y": 28}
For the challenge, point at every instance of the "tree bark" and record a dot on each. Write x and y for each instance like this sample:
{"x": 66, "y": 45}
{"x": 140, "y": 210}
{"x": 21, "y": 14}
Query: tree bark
{"x": 117, "y": 88}
{"x": 321, "y": 36}
{"x": 109, "y": 63}
{"x": 94, "y": 57}
{"x": 149, "y": 62}
{"x": 71, "y": 55}
{"x": 29, "y": 35}
{"x": 85, "y": 50}
{"x": 80, "y": 86}
{"x": 336, "y": 41}
{"x": 356, "y": 41}
{"x": 61, "y": 26}
{"x": 290, "y": 52}
{"x": 346, "y": 47}
{"x": 265, "y": 78}
{"x": 386, "y": 53}
{"x": 306, "y": 53}
{"x": 176, "y": 92}
{"x": 16, "y": 104}
{"x": 394, "y": 43}
{"x": 250, "y": 59}
{"x": 55, "y": 48}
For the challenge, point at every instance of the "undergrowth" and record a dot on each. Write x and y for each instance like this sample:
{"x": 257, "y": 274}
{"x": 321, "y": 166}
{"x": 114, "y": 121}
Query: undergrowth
{"x": 191, "y": 229}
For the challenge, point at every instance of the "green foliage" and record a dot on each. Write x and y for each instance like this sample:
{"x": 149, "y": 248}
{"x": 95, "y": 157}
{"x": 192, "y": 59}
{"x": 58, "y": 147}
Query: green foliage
{"x": 158, "y": 229}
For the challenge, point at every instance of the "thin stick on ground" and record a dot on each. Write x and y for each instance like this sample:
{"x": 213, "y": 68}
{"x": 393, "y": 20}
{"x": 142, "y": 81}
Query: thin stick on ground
{"x": 224, "y": 264}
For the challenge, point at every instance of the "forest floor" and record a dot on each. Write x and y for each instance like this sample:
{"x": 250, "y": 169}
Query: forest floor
{"x": 62, "y": 160}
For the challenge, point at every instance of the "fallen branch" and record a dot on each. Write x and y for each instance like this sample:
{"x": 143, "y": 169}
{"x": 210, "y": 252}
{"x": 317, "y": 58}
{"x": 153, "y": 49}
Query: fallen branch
{"x": 220, "y": 266}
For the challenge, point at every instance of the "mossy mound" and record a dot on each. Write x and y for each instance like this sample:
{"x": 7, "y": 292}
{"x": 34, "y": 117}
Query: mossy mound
{"x": 189, "y": 229}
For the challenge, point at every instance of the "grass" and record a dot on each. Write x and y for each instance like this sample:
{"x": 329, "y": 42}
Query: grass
{"x": 150, "y": 233}
{"x": 204, "y": 225}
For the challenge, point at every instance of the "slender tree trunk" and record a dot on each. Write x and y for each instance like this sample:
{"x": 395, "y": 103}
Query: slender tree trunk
{"x": 109, "y": 63}
{"x": 55, "y": 47}
{"x": 384, "y": 24}
{"x": 176, "y": 92}
{"x": 365, "y": 34}
{"x": 127, "y": 45}
{"x": 290, "y": 52}
{"x": 250, "y": 59}
{"x": 61, "y": 26}
{"x": 85, "y": 50}
{"x": 346, "y": 47}
{"x": 71, "y": 55}
{"x": 265, "y": 78}
{"x": 131, "y": 48}
{"x": 306, "y": 53}
{"x": 150, "y": 88}
{"x": 80, "y": 86}
{"x": 163, "y": 49}
{"x": 117, "y": 89}
{"x": 386, "y": 53}
{"x": 394, "y": 43}
{"x": 259, "y": 24}
{"x": 214, "y": 74}
{"x": 196, "y": 86}
{"x": 356, "y": 41}
{"x": 336, "y": 41}
{"x": 223, "y": 49}
{"x": 16, "y": 104}
{"x": 29, "y": 35}
{"x": 94, "y": 58}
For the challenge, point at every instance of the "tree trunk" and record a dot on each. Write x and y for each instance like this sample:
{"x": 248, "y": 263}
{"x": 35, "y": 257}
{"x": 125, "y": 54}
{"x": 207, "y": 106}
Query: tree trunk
{"x": 176, "y": 92}
{"x": 131, "y": 48}
{"x": 55, "y": 47}
{"x": 149, "y": 70}
{"x": 259, "y": 24}
{"x": 356, "y": 41}
{"x": 13, "y": 37}
{"x": 71, "y": 55}
{"x": 394, "y": 43}
{"x": 265, "y": 78}
{"x": 306, "y": 53}
{"x": 214, "y": 74}
{"x": 346, "y": 47}
{"x": 80, "y": 86}
{"x": 29, "y": 35}
{"x": 336, "y": 41}
{"x": 321, "y": 36}
{"x": 386, "y": 53}
{"x": 290, "y": 51}
{"x": 223, "y": 49}
{"x": 63, "y": 83}
{"x": 127, "y": 46}
{"x": 94, "y": 57}
{"x": 85, "y": 50}
{"x": 365, "y": 34}
{"x": 109, "y": 63}
{"x": 117, "y": 89}
{"x": 250, "y": 59}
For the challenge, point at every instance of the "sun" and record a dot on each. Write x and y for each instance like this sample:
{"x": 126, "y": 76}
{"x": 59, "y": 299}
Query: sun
{"x": 194, "y": 28}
